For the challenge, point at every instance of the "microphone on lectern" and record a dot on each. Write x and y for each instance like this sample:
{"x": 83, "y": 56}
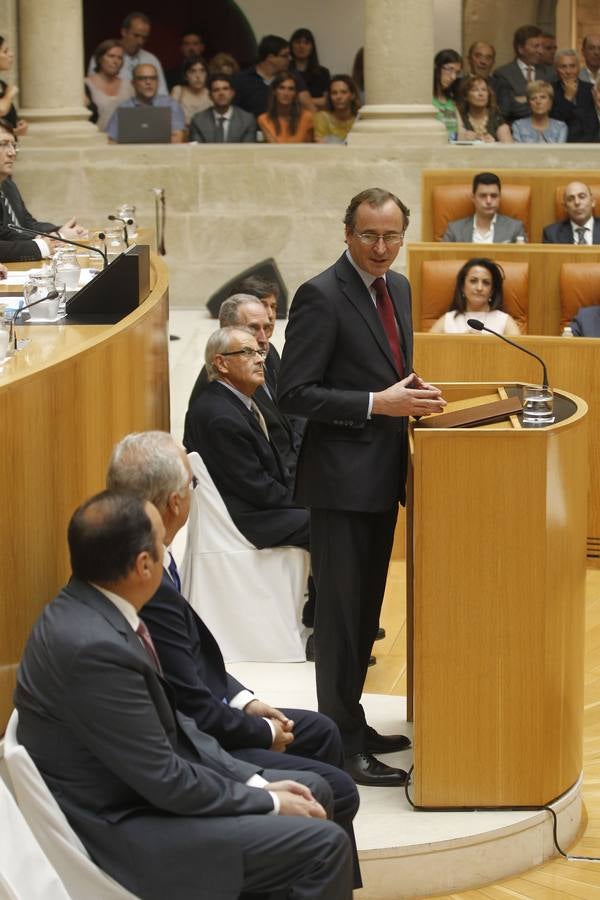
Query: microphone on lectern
{"x": 476, "y": 325}
{"x": 125, "y": 222}
{"x": 31, "y": 233}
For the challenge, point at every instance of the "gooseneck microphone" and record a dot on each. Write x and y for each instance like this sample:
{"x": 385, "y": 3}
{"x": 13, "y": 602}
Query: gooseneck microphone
{"x": 31, "y": 233}
{"x": 125, "y": 222}
{"x": 12, "y": 335}
{"x": 476, "y": 325}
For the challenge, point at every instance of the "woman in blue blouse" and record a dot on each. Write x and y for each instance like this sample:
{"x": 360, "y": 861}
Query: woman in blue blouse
{"x": 539, "y": 128}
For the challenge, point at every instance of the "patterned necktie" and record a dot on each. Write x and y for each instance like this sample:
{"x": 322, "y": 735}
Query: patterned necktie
{"x": 220, "y": 129}
{"x": 144, "y": 636}
{"x": 12, "y": 216}
{"x": 385, "y": 308}
{"x": 581, "y": 235}
{"x": 174, "y": 573}
{"x": 259, "y": 418}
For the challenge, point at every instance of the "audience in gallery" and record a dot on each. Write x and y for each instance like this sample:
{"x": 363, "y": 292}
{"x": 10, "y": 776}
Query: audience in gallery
{"x": 8, "y": 93}
{"x": 252, "y": 86}
{"x": 447, "y": 67}
{"x": 223, "y": 122}
{"x": 486, "y": 226}
{"x": 285, "y": 121}
{"x": 512, "y": 78}
{"x": 192, "y": 45}
{"x": 477, "y": 295}
{"x": 305, "y": 60}
{"x": 333, "y": 123}
{"x": 223, "y": 63}
{"x": 539, "y": 128}
{"x": 135, "y": 31}
{"x": 107, "y": 89}
{"x": 580, "y": 227}
{"x": 549, "y": 48}
{"x": 574, "y": 100}
{"x": 192, "y": 94}
{"x": 479, "y": 116}
{"x": 590, "y": 49}
{"x": 146, "y": 93}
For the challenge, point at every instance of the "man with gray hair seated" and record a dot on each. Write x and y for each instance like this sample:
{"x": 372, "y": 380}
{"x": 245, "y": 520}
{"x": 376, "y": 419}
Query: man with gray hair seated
{"x": 574, "y": 100}
{"x": 226, "y": 427}
{"x": 153, "y": 467}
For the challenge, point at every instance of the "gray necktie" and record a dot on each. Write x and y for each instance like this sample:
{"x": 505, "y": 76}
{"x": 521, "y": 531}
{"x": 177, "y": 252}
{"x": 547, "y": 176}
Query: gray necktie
{"x": 220, "y": 129}
{"x": 259, "y": 418}
{"x": 581, "y": 235}
{"x": 12, "y": 216}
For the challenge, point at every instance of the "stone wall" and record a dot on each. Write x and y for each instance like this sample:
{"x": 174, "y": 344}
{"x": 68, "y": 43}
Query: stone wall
{"x": 231, "y": 206}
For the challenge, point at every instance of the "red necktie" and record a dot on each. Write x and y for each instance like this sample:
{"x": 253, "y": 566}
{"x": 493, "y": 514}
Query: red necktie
{"x": 385, "y": 308}
{"x": 144, "y": 636}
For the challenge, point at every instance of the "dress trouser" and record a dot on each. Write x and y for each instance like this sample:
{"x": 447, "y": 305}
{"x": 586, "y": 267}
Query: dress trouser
{"x": 350, "y": 553}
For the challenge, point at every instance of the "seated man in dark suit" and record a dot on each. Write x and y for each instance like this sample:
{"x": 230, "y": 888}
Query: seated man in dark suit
{"x": 157, "y": 803}
{"x": 580, "y": 227}
{"x": 224, "y": 123}
{"x": 225, "y": 426}
{"x": 15, "y": 246}
{"x": 285, "y": 432}
{"x": 511, "y": 79}
{"x": 587, "y": 322}
{"x": 574, "y": 100}
{"x": 153, "y": 467}
{"x": 486, "y": 226}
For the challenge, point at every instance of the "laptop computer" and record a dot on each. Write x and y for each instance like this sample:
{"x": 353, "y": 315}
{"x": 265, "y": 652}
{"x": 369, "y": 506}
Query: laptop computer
{"x": 144, "y": 125}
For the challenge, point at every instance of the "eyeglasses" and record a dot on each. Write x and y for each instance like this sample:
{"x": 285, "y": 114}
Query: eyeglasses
{"x": 9, "y": 145}
{"x": 146, "y": 78}
{"x": 370, "y": 238}
{"x": 248, "y": 352}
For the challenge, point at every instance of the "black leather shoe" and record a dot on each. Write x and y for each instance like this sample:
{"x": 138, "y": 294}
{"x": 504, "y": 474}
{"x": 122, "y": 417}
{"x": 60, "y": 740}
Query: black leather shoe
{"x": 366, "y": 769}
{"x": 380, "y": 634}
{"x": 385, "y": 743}
{"x": 372, "y": 661}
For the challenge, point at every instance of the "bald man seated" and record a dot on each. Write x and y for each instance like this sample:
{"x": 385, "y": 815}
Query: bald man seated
{"x": 581, "y": 227}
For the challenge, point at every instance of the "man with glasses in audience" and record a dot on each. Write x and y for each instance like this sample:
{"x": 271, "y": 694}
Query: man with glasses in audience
{"x": 15, "y": 246}
{"x": 347, "y": 367}
{"x": 227, "y": 428}
{"x": 145, "y": 85}
{"x": 252, "y": 85}
{"x": 135, "y": 31}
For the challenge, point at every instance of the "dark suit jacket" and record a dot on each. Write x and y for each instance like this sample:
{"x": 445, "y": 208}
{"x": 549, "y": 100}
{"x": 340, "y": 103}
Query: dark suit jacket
{"x": 148, "y": 794}
{"x": 244, "y": 466}
{"x": 19, "y": 251}
{"x": 193, "y": 664}
{"x": 336, "y": 352}
{"x": 562, "y": 233}
{"x": 284, "y": 431}
{"x": 587, "y": 322}
{"x": 579, "y": 114}
{"x": 510, "y": 83}
{"x": 11, "y": 192}
{"x": 506, "y": 230}
{"x": 242, "y": 127}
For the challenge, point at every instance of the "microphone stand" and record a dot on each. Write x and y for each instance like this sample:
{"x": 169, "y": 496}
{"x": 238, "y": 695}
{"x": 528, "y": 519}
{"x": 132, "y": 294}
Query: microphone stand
{"x": 12, "y": 334}
{"x": 476, "y": 325}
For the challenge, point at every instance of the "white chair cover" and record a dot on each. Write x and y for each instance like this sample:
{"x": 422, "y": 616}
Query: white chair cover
{"x": 81, "y": 877}
{"x": 25, "y": 873}
{"x": 250, "y": 599}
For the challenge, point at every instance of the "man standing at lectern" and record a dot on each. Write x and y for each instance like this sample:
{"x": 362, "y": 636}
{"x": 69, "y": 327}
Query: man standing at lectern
{"x": 347, "y": 367}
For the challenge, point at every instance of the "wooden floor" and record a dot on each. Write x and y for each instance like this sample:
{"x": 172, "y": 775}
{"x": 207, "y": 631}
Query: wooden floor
{"x": 558, "y": 878}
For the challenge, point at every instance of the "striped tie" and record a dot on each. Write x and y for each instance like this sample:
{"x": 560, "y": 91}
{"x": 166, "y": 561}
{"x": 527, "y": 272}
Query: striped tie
{"x": 12, "y": 216}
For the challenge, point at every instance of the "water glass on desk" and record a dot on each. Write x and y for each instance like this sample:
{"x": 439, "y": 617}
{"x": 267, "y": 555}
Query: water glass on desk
{"x": 538, "y": 405}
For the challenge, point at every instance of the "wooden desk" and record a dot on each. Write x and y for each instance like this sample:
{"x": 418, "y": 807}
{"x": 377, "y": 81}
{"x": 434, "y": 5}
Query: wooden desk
{"x": 66, "y": 398}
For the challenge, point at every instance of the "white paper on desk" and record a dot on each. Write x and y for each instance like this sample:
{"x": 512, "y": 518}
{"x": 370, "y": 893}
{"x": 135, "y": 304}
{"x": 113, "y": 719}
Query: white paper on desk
{"x": 16, "y": 278}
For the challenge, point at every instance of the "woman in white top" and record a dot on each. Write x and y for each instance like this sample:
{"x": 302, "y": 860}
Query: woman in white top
{"x": 107, "y": 89}
{"x": 477, "y": 295}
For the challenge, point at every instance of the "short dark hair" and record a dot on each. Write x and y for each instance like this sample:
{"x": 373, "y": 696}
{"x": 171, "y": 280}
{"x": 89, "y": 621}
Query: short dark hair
{"x": 192, "y": 61}
{"x": 270, "y": 45}
{"x": 126, "y": 23}
{"x": 220, "y": 76}
{"x": 522, "y": 35}
{"x": 106, "y": 535}
{"x": 497, "y": 297}
{"x": 5, "y": 125}
{"x": 355, "y": 98}
{"x": 485, "y": 178}
{"x": 258, "y": 287}
{"x": 374, "y": 197}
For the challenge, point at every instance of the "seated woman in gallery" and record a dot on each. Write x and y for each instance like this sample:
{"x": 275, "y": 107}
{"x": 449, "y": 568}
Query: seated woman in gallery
{"x": 477, "y": 295}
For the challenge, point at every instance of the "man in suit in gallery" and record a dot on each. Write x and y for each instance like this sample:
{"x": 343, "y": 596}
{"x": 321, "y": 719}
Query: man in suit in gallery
{"x": 486, "y": 225}
{"x": 511, "y": 79}
{"x": 158, "y": 804}
{"x": 154, "y": 467}
{"x": 14, "y": 246}
{"x": 580, "y": 227}
{"x": 347, "y": 367}
{"x": 223, "y": 123}
{"x": 225, "y": 426}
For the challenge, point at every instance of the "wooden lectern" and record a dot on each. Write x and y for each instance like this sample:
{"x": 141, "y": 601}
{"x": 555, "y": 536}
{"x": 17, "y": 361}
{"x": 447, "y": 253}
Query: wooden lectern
{"x": 496, "y": 535}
